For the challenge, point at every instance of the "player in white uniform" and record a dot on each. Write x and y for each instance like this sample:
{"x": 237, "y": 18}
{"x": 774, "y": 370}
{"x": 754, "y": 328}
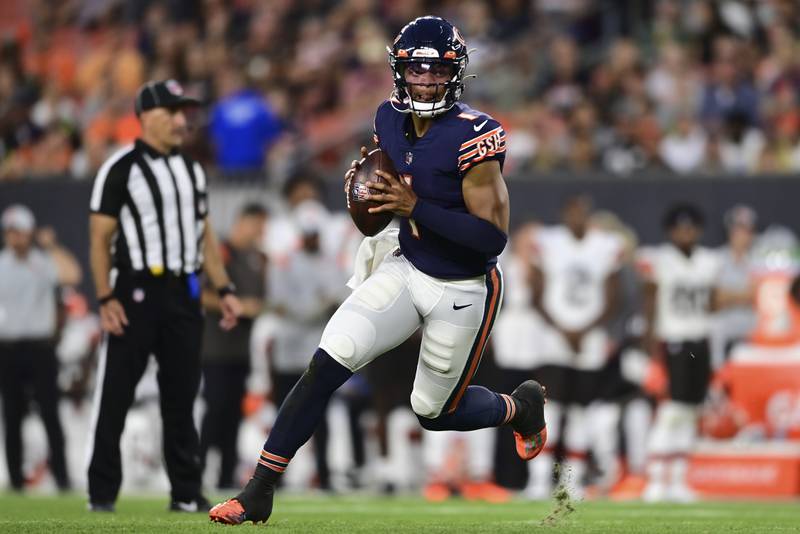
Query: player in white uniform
{"x": 679, "y": 293}
{"x": 575, "y": 291}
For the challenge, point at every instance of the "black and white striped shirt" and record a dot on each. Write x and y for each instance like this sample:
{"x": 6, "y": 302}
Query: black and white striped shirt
{"x": 160, "y": 201}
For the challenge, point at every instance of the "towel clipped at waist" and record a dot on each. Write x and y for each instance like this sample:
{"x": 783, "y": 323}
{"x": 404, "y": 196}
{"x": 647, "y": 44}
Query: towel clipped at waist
{"x": 371, "y": 253}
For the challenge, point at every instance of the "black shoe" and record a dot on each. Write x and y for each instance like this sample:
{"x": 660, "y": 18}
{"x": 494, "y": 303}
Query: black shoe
{"x": 102, "y": 507}
{"x": 530, "y": 432}
{"x": 254, "y": 503}
{"x": 199, "y": 504}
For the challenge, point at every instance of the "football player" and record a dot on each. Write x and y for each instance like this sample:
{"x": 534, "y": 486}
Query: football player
{"x": 453, "y": 208}
{"x": 679, "y": 293}
{"x": 576, "y": 289}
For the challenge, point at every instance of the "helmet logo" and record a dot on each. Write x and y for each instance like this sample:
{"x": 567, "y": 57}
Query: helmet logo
{"x": 402, "y": 53}
{"x": 425, "y": 52}
{"x": 174, "y": 87}
{"x": 450, "y": 54}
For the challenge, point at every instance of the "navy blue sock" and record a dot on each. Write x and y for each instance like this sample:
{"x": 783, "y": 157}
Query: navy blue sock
{"x": 479, "y": 408}
{"x": 300, "y": 414}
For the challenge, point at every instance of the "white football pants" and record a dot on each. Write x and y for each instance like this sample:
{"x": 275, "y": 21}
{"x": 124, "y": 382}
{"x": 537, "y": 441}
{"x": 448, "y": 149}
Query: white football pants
{"x": 456, "y": 317}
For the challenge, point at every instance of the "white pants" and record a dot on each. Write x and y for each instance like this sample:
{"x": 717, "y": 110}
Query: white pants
{"x": 390, "y": 305}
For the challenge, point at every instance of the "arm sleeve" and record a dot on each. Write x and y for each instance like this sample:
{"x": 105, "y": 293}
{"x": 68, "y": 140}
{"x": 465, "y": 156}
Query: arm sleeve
{"x": 485, "y": 141}
{"x": 110, "y": 188}
{"x": 462, "y": 228}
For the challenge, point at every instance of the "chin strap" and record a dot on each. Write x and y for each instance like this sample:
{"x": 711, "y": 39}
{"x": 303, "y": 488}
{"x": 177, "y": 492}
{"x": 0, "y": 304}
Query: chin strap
{"x": 409, "y": 107}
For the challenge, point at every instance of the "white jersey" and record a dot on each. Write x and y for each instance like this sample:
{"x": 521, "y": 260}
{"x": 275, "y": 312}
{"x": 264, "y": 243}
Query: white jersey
{"x": 575, "y": 272}
{"x": 685, "y": 283}
{"x": 517, "y": 332}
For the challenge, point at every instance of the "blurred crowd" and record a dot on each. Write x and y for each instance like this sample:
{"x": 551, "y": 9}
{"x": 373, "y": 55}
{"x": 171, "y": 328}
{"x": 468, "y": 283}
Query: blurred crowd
{"x": 690, "y": 86}
{"x": 291, "y": 262}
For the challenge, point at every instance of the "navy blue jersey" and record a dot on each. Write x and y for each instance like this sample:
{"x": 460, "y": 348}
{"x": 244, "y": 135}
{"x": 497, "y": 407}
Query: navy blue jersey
{"x": 435, "y": 165}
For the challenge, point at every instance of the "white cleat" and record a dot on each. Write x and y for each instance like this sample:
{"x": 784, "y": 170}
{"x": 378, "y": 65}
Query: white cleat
{"x": 681, "y": 493}
{"x": 654, "y": 492}
{"x": 537, "y": 492}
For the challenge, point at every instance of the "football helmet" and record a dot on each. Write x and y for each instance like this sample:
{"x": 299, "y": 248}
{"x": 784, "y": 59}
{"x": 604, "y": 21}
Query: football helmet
{"x": 427, "y": 41}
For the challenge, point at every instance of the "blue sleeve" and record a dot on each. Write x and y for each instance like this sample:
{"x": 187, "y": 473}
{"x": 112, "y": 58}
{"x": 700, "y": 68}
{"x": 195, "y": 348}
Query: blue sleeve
{"x": 462, "y": 228}
{"x": 484, "y": 140}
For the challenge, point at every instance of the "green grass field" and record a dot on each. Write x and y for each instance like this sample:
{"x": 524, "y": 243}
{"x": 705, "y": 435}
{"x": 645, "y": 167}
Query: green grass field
{"x": 343, "y": 515}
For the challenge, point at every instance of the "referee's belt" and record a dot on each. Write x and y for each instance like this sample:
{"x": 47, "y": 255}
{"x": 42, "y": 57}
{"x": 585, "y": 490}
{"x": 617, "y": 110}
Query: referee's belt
{"x": 158, "y": 273}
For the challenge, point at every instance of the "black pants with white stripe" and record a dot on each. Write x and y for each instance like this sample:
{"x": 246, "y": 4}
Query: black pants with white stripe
{"x": 165, "y": 320}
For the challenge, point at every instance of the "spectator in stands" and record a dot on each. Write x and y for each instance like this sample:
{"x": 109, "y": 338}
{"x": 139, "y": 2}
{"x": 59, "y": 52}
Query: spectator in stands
{"x": 684, "y": 149}
{"x": 741, "y": 146}
{"x": 673, "y": 83}
{"x": 317, "y": 69}
{"x": 29, "y": 278}
{"x": 242, "y": 124}
{"x": 728, "y": 90}
{"x": 561, "y": 86}
{"x": 586, "y": 138}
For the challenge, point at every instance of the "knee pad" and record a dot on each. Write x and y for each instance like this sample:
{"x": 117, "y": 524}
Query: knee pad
{"x": 348, "y": 337}
{"x": 438, "y": 346}
{"x": 424, "y": 407}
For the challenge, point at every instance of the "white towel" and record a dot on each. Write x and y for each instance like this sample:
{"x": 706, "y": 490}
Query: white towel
{"x": 371, "y": 253}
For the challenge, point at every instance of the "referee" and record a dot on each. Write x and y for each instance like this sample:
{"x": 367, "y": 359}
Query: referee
{"x": 150, "y": 236}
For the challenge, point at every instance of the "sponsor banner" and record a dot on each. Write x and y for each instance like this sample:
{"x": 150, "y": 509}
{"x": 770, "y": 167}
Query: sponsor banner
{"x": 764, "y": 383}
{"x": 756, "y": 472}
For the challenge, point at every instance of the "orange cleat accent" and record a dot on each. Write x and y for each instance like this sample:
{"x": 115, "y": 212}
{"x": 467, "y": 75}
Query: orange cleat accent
{"x": 485, "y": 491}
{"x": 629, "y": 488}
{"x": 436, "y": 492}
{"x": 528, "y": 447}
{"x": 230, "y": 512}
{"x": 530, "y": 431}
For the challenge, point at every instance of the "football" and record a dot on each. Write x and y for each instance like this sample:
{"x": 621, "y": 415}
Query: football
{"x": 368, "y": 223}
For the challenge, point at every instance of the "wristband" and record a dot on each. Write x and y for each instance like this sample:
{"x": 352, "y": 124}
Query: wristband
{"x": 104, "y": 300}
{"x": 226, "y": 290}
